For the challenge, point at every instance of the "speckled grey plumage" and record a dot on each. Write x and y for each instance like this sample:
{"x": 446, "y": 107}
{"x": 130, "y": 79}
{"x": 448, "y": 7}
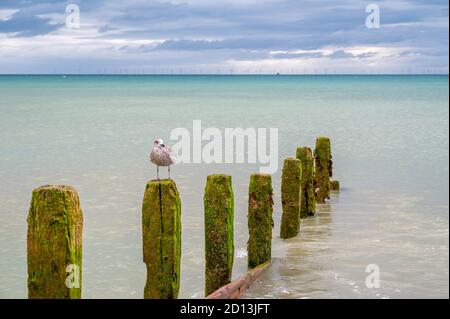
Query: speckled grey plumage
{"x": 162, "y": 155}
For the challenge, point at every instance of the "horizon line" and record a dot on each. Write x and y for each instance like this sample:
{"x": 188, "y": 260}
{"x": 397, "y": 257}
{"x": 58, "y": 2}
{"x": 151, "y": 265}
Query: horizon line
{"x": 222, "y": 74}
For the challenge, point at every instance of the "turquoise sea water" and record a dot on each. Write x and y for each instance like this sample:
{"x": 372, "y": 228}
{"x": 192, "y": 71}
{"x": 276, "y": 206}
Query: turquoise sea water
{"x": 390, "y": 142}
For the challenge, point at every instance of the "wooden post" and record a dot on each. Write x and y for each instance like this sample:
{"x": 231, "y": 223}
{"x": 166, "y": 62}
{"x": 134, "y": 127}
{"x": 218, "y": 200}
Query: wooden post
{"x": 161, "y": 234}
{"x": 334, "y": 185}
{"x": 236, "y": 289}
{"x": 260, "y": 222}
{"x": 308, "y": 198}
{"x": 219, "y": 231}
{"x": 290, "y": 197}
{"x": 324, "y": 169}
{"x": 54, "y": 243}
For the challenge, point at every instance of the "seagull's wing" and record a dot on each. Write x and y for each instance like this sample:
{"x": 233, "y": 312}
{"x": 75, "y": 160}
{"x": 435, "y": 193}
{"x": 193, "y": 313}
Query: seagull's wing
{"x": 173, "y": 156}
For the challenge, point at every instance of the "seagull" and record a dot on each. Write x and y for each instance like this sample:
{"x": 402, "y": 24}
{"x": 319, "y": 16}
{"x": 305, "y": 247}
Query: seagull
{"x": 162, "y": 155}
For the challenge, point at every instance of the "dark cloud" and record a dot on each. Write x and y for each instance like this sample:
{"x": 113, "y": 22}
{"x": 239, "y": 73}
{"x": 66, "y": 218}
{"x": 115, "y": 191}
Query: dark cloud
{"x": 26, "y": 24}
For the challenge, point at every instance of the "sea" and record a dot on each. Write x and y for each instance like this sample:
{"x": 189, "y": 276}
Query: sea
{"x": 390, "y": 146}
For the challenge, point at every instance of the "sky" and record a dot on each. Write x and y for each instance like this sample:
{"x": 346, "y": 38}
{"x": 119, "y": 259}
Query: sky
{"x": 223, "y": 37}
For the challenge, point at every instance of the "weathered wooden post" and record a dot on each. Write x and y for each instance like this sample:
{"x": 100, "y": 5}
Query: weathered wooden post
{"x": 219, "y": 231}
{"x": 324, "y": 168}
{"x": 334, "y": 185}
{"x": 54, "y": 243}
{"x": 260, "y": 222}
{"x": 290, "y": 197}
{"x": 235, "y": 289}
{"x": 161, "y": 234}
{"x": 308, "y": 198}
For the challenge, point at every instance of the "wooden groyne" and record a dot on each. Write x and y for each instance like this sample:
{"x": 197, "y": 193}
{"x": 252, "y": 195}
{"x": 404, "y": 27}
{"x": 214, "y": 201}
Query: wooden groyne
{"x": 55, "y": 223}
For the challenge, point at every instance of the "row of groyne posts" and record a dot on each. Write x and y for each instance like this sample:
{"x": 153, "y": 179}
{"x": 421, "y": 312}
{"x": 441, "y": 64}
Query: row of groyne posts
{"x": 55, "y": 222}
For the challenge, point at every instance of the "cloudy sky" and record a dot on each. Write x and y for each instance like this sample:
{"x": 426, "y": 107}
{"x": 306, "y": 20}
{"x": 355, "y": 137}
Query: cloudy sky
{"x": 224, "y": 36}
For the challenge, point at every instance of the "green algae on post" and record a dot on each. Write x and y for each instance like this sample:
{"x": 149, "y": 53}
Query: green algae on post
{"x": 54, "y": 243}
{"x": 324, "y": 168}
{"x": 334, "y": 185}
{"x": 308, "y": 198}
{"x": 290, "y": 197}
{"x": 219, "y": 231}
{"x": 260, "y": 222}
{"x": 161, "y": 235}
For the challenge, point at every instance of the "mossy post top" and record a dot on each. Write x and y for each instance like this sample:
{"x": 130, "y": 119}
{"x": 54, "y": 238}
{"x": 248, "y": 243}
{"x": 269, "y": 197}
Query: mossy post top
{"x": 291, "y": 160}
{"x": 323, "y": 147}
{"x": 291, "y": 177}
{"x": 218, "y": 178}
{"x": 166, "y": 185}
{"x": 324, "y": 139}
{"x": 60, "y": 188}
{"x": 55, "y": 200}
{"x": 260, "y": 175}
{"x": 292, "y": 172}
{"x": 262, "y": 181}
{"x": 323, "y": 152}
{"x": 162, "y": 182}
{"x": 292, "y": 163}
{"x": 304, "y": 153}
{"x": 49, "y": 190}
{"x": 218, "y": 184}
{"x": 50, "y": 195}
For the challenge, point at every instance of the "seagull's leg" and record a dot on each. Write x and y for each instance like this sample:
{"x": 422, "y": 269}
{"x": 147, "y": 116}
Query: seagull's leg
{"x": 157, "y": 171}
{"x": 168, "y": 167}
